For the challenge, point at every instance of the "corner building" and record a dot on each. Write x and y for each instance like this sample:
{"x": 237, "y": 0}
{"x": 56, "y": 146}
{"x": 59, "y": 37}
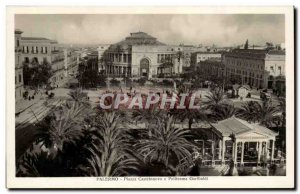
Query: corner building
{"x": 256, "y": 68}
{"x": 19, "y": 83}
{"x": 37, "y": 50}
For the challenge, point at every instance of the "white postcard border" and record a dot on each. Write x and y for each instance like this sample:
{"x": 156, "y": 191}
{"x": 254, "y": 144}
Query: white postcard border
{"x": 92, "y": 182}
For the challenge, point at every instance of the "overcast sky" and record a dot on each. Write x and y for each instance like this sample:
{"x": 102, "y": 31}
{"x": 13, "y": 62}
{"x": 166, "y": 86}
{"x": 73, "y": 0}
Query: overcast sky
{"x": 222, "y": 30}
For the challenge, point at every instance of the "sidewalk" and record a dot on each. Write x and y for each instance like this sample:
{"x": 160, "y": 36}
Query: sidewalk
{"x": 23, "y": 104}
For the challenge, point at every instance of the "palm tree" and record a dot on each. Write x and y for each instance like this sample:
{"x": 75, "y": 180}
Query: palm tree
{"x": 167, "y": 145}
{"x": 64, "y": 126}
{"x": 110, "y": 153}
{"x": 216, "y": 98}
{"x": 248, "y": 111}
{"x": 148, "y": 116}
{"x": 79, "y": 97}
{"x": 223, "y": 111}
{"x": 192, "y": 115}
{"x": 264, "y": 113}
{"x": 32, "y": 164}
{"x": 282, "y": 108}
{"x": 35, "y": 163}
{"x": 268, "y": 114}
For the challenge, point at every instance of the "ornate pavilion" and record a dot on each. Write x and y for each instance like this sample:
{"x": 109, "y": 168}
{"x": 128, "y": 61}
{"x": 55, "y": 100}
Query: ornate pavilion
{"x": 238, "y": 140}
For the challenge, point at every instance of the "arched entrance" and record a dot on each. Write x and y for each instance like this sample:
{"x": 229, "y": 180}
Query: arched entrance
{"x": 144, "y": 67}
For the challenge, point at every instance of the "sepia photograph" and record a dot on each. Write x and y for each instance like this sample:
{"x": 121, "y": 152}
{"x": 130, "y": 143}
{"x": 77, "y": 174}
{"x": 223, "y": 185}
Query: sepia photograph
{"x": 119, "y": 96}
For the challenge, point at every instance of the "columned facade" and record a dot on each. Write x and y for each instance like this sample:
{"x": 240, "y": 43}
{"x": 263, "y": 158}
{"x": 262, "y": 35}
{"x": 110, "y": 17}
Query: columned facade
{"x": 254, "y": 67}
{"x": 141, "y": 55}
{"x": 254, "y": 144}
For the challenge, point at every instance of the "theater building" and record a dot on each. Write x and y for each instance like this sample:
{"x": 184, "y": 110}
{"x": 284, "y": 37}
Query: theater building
{"x": 141, "y": 55}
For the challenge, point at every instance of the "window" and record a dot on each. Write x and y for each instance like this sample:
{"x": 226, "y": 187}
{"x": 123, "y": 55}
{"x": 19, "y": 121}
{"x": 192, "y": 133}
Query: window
{"x": 20, "y": 78}
{"x": 129, "y": 58}
{"x": 26, "y": 60}
{"x": 279, "y": 68}
{"x": 18, "y": 43}
{"x": 35, "y": 60}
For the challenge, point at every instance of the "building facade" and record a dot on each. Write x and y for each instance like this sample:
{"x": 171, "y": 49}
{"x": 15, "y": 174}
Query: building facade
{"x": 197, "y": 57}
{"x": 257, "y": 68}
{"x": 71, "y": 61}
{"x": 214, "y": 68}
{"x": 19, "y": 83}
{"x": 101, "y": 51}
{"x": 238, "y": 144}
{"x": 36, "y": 51}
{"x": 141, "y": 55}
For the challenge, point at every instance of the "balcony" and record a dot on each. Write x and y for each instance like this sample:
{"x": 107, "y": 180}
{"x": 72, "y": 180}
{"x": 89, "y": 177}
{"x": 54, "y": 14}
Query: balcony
{"x": 18, "y": 50}
{"x": 56, "y": 51}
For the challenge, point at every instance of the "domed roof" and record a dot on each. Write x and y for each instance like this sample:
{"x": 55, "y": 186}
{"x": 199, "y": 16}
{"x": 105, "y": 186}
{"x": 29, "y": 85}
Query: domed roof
{"x": 138, "y": 38}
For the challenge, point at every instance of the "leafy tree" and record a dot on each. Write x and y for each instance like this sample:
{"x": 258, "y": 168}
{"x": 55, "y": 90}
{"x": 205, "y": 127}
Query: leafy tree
{"x": 246, "y": 44}
{"x": 37, "y": 74}
{"x": 114, "y": 82}
{"x": 88, "y": 75}
{"x": 91, "y": 78}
